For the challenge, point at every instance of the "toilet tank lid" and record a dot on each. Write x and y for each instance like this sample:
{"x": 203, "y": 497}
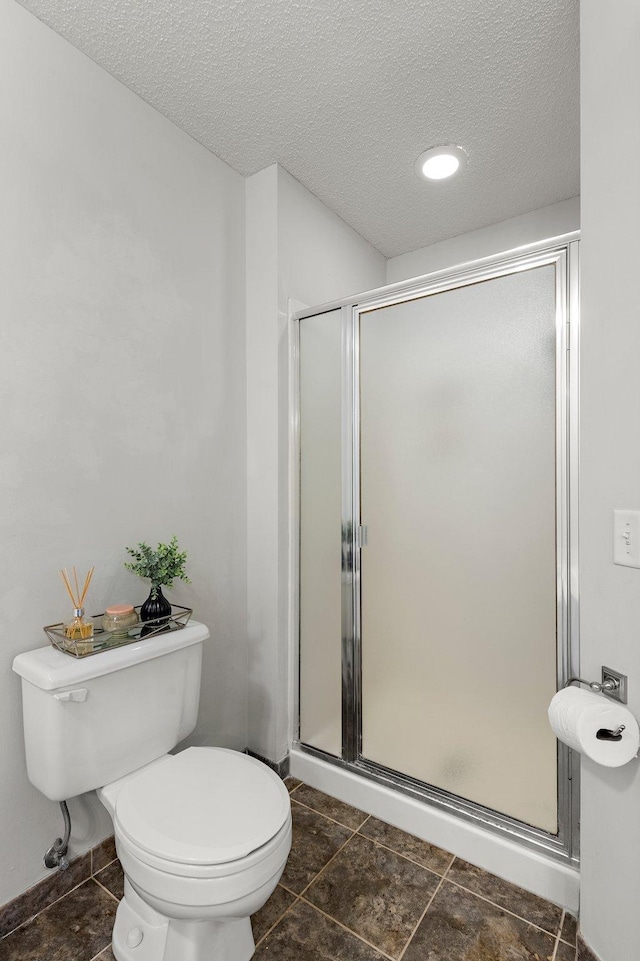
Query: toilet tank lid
{"x": 50, "y": 669}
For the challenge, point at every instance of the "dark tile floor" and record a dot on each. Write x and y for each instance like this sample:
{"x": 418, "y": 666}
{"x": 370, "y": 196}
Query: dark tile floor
{"x": 354, "y": 889}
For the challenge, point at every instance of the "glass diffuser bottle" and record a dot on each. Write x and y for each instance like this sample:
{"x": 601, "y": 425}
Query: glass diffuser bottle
{"x": 79, "y": 629}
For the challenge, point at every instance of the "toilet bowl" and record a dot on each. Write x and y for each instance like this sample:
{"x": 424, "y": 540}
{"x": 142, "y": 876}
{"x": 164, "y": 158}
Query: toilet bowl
{"x": 203, "y": 837}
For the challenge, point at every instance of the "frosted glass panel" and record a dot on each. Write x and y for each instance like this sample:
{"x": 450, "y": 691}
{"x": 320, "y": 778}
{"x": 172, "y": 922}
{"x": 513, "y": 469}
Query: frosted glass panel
{"x": 459, "y": 575}
{"x": 320, "y": 532}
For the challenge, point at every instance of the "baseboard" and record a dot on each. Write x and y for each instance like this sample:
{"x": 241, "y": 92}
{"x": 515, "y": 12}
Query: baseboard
{"x": 584, "y": 951}
{"x": 58, "y": 883}
{"x": 280, "y": 767}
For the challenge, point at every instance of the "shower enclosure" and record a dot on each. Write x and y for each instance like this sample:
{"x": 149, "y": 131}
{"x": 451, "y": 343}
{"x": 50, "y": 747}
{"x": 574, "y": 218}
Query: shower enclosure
{"x": 437, "y": 557}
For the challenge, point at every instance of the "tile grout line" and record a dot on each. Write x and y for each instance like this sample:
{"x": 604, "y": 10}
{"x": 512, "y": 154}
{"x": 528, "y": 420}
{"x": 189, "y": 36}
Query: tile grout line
{"x": 406, "y": 856}
{"x": 104, "y": 867}
{"x": 278, "y": 920}
{"x": 381, "y": 844}
{"x": 96, "y": 956}
{"x": 442, "y": 878}
{"x": 91, "y": 877}
{"x": 419, "y": 864}
{"x": 560, "y": 927}
{"x": 422, "y": 916}
{"x": 301, "y": 896}
{"x": 324, "y": 868}
{"x": 333, "y": 820}
{"x": 110, "y": 893}
{"x": 32, "y": 917}
{"x": 412, "y": 861}
{"x": 303, "y": 900}
{"x": 424, "y": 867}
{"x": 501, "y": 908}
{"x": 46, "y": 908}
{"x": 560, "y": 938}
{"x": 356, "y": 831}
{"x": 344, "y": 927}
{"x": 289, "y": 891}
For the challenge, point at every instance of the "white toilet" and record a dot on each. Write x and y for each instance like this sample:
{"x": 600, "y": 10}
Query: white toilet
{"x": 203, "y": 835}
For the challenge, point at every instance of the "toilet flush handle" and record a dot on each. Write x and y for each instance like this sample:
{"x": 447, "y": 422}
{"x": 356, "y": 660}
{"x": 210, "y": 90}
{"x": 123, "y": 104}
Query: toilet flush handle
{"x": 80, "y": 694}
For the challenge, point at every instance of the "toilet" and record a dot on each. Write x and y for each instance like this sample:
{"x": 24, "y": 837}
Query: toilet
{"x": 203, "y": 835}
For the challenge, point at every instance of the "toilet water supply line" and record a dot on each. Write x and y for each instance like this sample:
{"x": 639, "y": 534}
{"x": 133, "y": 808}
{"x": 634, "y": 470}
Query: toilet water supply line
{"x": 56, "y": 855}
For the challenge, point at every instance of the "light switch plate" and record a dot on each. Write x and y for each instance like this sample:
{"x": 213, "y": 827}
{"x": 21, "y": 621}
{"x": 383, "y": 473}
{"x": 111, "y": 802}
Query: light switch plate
{"x": 626, "y": 538}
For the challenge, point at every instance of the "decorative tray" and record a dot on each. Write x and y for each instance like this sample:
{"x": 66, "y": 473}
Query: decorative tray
{"x": 104, "y": 641}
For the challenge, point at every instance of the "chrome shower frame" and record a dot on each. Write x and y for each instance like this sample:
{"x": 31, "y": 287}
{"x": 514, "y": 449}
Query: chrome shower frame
{"x": 562, "y": 252}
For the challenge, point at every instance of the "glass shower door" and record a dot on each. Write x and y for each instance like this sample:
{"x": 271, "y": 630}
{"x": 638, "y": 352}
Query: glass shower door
{"x": 321, "y": 577}
{"x": 458, "y": 580}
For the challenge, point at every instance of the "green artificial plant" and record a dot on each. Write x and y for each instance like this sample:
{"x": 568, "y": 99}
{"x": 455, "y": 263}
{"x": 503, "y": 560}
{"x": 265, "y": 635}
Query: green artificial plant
{"x": 161, "y": 566}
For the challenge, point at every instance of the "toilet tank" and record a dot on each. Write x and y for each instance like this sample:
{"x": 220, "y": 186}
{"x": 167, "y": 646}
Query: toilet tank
{"x": 89, "y": 721}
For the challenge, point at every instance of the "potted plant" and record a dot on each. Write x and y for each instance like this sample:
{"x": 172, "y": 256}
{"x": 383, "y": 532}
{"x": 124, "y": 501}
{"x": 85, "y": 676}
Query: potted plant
{"x": 161, "y": 567}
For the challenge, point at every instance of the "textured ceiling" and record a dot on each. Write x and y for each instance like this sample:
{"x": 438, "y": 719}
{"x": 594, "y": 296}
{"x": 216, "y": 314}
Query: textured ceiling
{"x": 347, "y": 93}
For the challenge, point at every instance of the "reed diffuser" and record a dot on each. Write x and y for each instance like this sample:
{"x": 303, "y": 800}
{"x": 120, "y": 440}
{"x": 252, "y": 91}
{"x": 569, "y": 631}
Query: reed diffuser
{"x": 79, "y": 628}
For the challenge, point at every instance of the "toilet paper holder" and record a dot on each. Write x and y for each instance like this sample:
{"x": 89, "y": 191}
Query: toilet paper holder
{"x": 612, "y": 683}
{"x": 607, "y": 734}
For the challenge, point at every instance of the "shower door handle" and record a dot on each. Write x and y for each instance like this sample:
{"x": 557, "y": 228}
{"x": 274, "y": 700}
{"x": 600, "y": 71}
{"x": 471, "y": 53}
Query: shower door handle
{"x": 362, "y": 535}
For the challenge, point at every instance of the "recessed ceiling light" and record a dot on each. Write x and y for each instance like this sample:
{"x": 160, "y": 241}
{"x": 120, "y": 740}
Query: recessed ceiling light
{"x": 438, "y": 163}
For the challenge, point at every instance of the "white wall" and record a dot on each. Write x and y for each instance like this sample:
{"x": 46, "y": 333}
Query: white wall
{"x": 610, "y": 461}
{"x": 262, "y": 460}
{"x": 321, "y": 258}
{"x": 530, "y": 228}
{"x": 122, "y": 352}
{"x": 318, "y": 258}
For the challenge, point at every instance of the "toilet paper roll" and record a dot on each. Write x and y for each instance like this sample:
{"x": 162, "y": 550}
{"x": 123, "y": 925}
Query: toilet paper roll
{"x": 576, "y": 716}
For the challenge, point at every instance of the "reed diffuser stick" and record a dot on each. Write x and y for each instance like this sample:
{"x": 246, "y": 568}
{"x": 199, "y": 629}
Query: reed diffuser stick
{"x": 65, "y": 578}
{"x": 87, "y": 581}
{"x": 77, "y": 598}
{"x": 79, "y": 628}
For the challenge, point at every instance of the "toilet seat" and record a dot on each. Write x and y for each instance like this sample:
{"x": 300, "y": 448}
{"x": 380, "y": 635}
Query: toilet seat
{"x": 197, "y": 812}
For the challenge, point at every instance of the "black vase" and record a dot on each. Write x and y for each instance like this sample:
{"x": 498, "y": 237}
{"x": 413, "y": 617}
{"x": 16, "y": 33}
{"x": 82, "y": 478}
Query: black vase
{"x": 156, "y": 609}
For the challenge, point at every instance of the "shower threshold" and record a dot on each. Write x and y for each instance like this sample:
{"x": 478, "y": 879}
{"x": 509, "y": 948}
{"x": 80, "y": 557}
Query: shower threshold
{"x": 531, "y": 862}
